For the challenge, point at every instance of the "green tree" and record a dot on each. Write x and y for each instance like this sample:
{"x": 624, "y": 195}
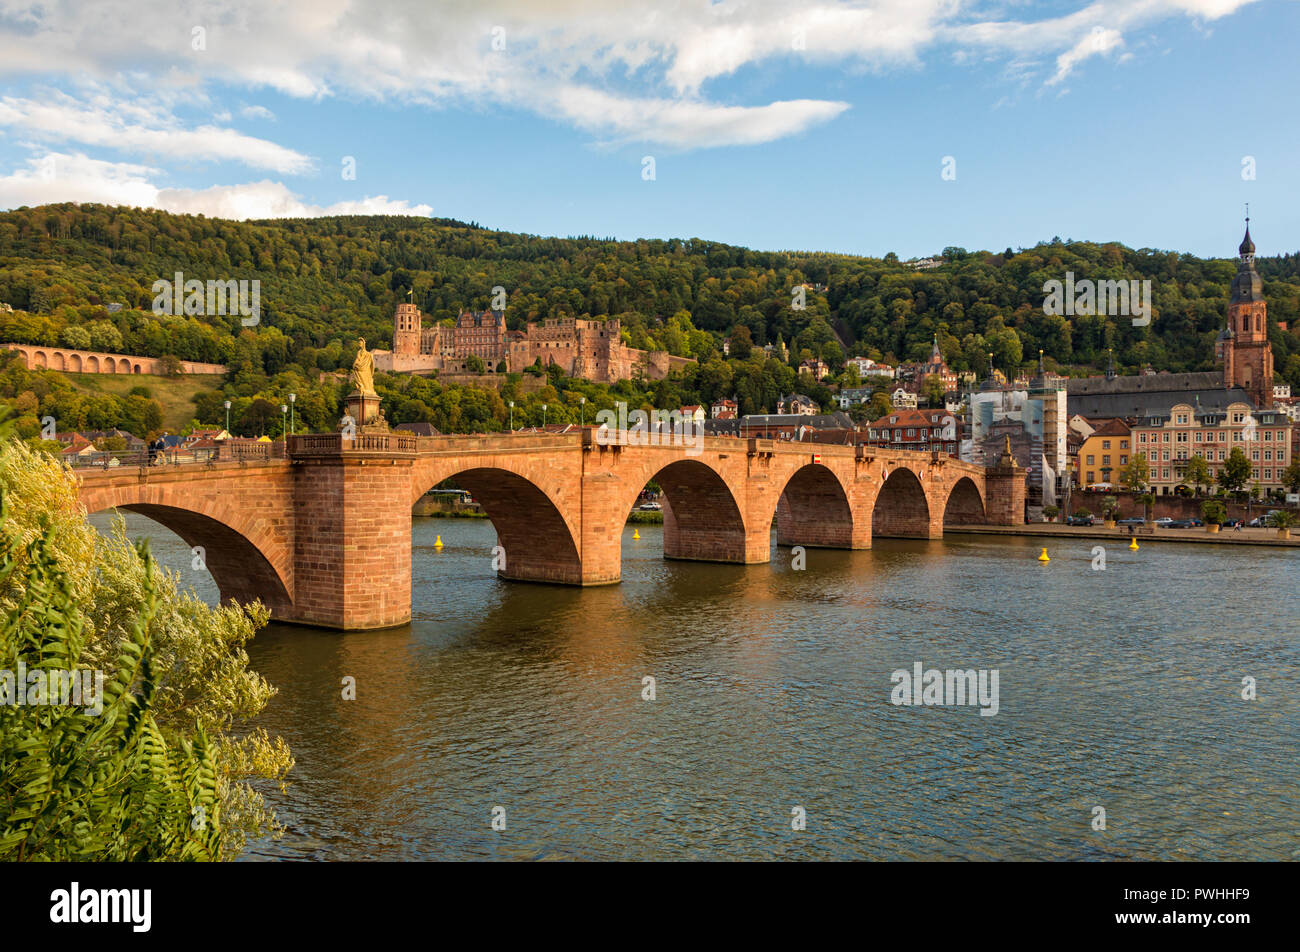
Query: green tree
{"x": 1291, "y": 476}
{"x": 1135, "y": 475}
{"x": 1198, "y": 472}
{"x": 1235, "y": 472}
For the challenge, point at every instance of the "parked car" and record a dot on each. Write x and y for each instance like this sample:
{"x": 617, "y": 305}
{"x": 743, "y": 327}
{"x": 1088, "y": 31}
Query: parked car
{"x": 1132, "y": 521}
{"x": 1079, "y": 521}
{"x": 1163, "y": 522}
{"x": 650, "y": 507}
{"x": 1182, "y": 523}
{"x": 1257, "y": 522}
{"x": 1232, "y": 523}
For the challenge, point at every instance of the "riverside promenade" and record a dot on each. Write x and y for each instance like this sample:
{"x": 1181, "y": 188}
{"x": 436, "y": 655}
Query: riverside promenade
{"x": 1143, "y": 534}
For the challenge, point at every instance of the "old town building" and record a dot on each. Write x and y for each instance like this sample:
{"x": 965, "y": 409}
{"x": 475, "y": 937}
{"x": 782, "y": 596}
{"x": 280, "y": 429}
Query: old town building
{"x": 1170, "y": 440}
{"x": 925, "y": 430}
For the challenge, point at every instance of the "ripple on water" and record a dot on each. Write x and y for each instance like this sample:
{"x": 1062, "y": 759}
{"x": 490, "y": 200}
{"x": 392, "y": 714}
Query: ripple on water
{"x": 1119, "y": 688}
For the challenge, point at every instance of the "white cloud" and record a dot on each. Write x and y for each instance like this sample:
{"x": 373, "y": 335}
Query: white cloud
{"x": 257, "y": 112}
{"x": 59, "y": 177}
{"x": 1098, "y": 43}
{"x": 640, "y": 66}
{"x": 140, "y": 127}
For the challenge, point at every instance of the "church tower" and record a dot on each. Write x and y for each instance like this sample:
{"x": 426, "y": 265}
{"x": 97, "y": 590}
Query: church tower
{"x": 406, "y": 330}
{"x": 1247, "y": 354}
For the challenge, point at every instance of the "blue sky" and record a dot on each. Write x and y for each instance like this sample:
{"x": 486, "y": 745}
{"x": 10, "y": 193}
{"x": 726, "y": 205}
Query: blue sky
{"x": 773, "y": 125}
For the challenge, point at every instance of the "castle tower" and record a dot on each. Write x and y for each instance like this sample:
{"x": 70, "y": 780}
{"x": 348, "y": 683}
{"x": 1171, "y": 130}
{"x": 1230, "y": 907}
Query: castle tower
{"x": 406, "y": 330}
{"x": 1247, "y": 354}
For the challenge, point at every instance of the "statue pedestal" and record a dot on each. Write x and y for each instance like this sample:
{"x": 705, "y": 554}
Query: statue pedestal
{"x": 366, "y": 413}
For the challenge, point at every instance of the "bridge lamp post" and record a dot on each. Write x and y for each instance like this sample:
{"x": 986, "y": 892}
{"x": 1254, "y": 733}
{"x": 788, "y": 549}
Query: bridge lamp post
{"x": 512, "y": 416}
{"x": 582, "y": 411}
{"x": 284, "y": 420}
{"x": 227, "y": 417}
{"x": 543, "y": 416}
{"x": 292, "y": 399}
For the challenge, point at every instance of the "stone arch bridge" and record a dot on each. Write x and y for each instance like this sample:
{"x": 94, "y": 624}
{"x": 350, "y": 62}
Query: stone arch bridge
{"x": 323, "y": 536}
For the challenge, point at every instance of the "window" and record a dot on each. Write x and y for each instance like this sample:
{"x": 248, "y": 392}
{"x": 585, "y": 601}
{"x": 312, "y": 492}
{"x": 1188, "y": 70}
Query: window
{"x": 1123, "y": 461}
{"x": 1105, "y": 460}
{"x": 1166, "y": 456}
{"x": 1123, "y": 444}
{"x": 1182, "y": 438}
{"x": 1166, "y": 438}
{"x": 1091, "y": 459}
{"x": 1105, "y": 444}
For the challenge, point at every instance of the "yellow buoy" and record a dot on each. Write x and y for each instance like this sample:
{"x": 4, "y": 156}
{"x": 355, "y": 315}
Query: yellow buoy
{"x": 438, "y": 543}
{"x": 1133, "y": 544}
{"x": 636, "y": 534}
{"x": 1043, "y": 557}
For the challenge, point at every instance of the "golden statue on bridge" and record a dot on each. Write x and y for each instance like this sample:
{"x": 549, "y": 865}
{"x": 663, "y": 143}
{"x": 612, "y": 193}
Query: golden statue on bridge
{"x": 363, "y": 408}
{"x": 363, "y": 371}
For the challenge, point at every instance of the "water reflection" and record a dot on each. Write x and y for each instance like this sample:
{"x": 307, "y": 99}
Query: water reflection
{"x": 1118, "y": 688}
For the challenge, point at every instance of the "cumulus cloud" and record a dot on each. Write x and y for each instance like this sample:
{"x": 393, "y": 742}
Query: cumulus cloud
{"x": 60, "y": 177}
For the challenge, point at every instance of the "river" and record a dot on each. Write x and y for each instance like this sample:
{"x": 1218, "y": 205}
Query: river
{"x": 1118, "y": 688}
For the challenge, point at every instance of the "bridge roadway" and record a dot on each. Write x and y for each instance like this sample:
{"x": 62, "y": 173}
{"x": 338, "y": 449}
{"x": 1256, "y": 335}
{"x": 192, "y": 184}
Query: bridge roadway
{"x": 323, "y": 536}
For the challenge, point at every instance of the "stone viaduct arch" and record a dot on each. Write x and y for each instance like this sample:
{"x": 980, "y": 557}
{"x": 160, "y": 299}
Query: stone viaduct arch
{"x": 248, "y": 552}
{"x": 525, "y": 498}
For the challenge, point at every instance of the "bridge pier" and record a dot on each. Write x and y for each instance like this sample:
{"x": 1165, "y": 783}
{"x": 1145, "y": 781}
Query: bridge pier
{"x": 352, "y": 539}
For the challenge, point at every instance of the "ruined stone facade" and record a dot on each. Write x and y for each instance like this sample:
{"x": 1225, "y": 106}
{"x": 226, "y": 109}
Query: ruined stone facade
{"x": 592, "y": 350}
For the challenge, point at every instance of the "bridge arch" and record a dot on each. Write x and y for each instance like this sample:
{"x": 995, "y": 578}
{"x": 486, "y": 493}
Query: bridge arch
{"x": 901, "y": 507}
{"x": 965, "y": 504}
{"x": 537, "y": 534}
{"x": 245, "y": 566}
{"x": 702, "y": 520}
{"x": 38, "y": 359}
{"x": 814, "y": 510}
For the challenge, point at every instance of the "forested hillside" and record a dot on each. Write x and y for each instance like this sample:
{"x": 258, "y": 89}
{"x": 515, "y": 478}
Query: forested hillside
{"x": 327, "y": 281}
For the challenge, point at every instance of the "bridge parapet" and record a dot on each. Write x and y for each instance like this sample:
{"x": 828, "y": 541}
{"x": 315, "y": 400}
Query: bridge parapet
{"x": 336, "y": 444}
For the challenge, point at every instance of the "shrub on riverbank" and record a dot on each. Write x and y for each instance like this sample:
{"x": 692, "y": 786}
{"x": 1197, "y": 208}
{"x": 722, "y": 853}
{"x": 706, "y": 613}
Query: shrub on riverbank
{"x": 202, "y": 683}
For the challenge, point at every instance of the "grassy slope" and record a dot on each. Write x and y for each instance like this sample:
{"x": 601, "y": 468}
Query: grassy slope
{"x": 173, "y": 393}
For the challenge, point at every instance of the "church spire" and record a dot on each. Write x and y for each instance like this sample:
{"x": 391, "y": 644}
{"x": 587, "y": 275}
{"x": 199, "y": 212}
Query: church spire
{"x": 1247, "y": 247}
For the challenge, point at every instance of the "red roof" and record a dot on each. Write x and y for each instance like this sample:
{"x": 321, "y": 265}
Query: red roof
{"x": 911, "y": 418}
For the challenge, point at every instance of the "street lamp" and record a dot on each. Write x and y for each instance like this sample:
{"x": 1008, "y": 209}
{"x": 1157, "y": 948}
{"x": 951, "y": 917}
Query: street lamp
{"x": 543, "y": 416}
{"x": 292, "y": 398}
{"x": 582, "y": 411}
{"x": 227, "y": 417}
{"x": 512, "y": 416}
{"x": 284, "y": 420}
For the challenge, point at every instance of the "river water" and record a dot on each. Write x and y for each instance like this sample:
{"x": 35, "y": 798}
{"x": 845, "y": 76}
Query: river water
{"x": 1118, "y": 688}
